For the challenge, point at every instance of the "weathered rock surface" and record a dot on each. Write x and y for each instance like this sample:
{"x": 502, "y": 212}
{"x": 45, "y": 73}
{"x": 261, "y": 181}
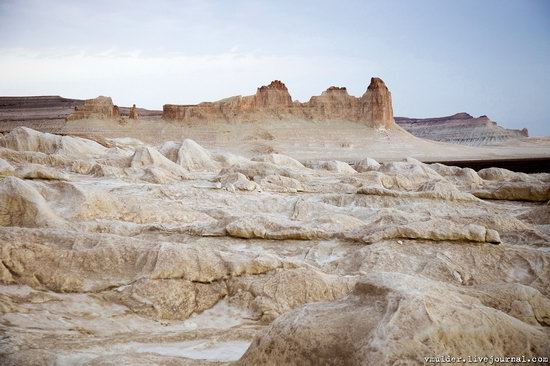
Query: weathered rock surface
{"x": 273, "y": 102}
{"x": 119, "y": 252}
{"x": 362, "y": 328}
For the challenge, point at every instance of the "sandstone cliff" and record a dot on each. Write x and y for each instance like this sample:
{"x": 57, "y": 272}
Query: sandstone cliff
{"x": 273, "y": 101}
{"x": 377, "y": 105}
{"x": 460, "y": 128}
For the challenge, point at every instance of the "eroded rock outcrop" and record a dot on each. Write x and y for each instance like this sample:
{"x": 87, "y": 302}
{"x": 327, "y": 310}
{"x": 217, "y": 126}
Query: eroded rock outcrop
{"x": 273, "y": 102}
{"x": 133, "y": 114}
{"x": 98, "y": 108}
{"x": 361, "y": 328}
{"x": 376, "y": 104}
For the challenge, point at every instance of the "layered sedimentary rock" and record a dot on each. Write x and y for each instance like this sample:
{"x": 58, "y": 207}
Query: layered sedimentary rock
{"x": 273, "y": 102}
{"x": 460, "y": 128}
{"x": 49, "y": 113}
{"x": 36, "y": 108}
{"x": 98, "y": 108}
{"x": 44, "y": 113}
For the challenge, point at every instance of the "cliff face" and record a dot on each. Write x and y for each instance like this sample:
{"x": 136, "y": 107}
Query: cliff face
{"x": 377, "y": 106}
{"x": 273, "y": 101}
{"x": 460, "y": 128}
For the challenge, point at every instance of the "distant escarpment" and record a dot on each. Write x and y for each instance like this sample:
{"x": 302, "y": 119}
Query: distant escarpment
{"x": 49, "y": 113}
{"x": 273, "y": 102}
{"x": 460, "y": 128}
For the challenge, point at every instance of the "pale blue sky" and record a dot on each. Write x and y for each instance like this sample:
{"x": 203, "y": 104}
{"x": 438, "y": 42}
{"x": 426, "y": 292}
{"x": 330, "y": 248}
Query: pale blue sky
{"x": 438, "y": 57}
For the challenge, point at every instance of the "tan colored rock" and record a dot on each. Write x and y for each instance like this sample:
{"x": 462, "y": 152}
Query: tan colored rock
{"x": 377, "y": 105}
{"x": 193, "y": 157}
{"x": 497, "y": 174}
{"x": 367, "y": 165}
{"x": 26, "y": 139}
{"x": 438, "y": 230}
{"x": 362, "y": 328}
{"x": 273, "y": 102}
{"x": 22, "y": 205}
{"x": 150, "y": 157}
{"x": 278, "y": 183}
{"x": 174, "y": 299}
{"x": 276, "y": 293}
{"x": 283, "y": 161}
{"x": 6, "y": 168}
{"x": 515, "y": 191}
{"x": 273, "y": 95}
{"x": 35, "y": 171}
{"x": 133, "y": 114}
{"x": 335, "y": 166}
{"x": 232, "y": 181}
{"x": 273, "y": 228}
{"x": 98, "y": 108}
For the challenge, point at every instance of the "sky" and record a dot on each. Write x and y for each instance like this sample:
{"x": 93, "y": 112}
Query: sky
{"x": 438, "y": 57}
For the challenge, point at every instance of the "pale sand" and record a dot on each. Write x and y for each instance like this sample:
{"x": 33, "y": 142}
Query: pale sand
{"x": 306, "y": 140}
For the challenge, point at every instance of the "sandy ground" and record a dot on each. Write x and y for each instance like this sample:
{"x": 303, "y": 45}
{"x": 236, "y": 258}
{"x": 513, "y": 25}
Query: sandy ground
{"x": 306, "y": 140}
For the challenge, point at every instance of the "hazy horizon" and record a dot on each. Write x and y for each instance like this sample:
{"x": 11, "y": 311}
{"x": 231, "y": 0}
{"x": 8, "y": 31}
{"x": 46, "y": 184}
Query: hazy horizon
{"x": 437, "y": 57}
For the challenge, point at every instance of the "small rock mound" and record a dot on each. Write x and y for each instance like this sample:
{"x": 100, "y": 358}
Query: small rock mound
{"x": 367, "y": 165}
{"x": 280, "y": 160}
{"x": 194, "y": 157}
{"x": 5, "y": 168}
{"x": 499, "y": 174}
{"x": 26, "y": 139}
{"x": 333, "y": 166}
{"x": 147, "y": 156}
{"x": 237, "y": 181}
{"x": 22, "y": 205}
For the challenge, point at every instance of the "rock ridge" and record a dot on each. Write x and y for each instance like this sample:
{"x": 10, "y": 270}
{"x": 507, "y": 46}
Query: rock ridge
{"x": 273, "y": 101}
{"x": 460, "y": 128}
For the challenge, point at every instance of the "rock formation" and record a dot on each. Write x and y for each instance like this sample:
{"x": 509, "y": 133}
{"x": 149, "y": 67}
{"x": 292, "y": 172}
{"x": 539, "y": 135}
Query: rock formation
{"x": 273, "y": 102}
{"x": 99, "y": 108}
{"x": 377, "y": 104}
{"x": 132, "y": 254}
{"x": 133, "y": 114}
{"x": 272, "y": 95}
{"x": 460, "y": 128}
{"x": 361, "y": 328}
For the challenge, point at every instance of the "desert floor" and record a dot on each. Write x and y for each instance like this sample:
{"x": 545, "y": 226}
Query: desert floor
{"x": 262, "y": 246}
